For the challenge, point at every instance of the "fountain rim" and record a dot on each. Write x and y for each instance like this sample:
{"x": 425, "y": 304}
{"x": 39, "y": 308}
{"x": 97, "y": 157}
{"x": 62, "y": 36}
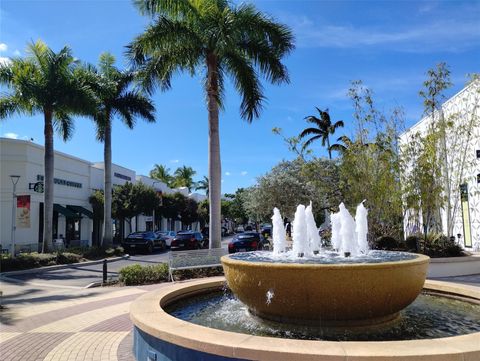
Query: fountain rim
{"x": 148, "y": 315}
{"x": 419, "y": 259}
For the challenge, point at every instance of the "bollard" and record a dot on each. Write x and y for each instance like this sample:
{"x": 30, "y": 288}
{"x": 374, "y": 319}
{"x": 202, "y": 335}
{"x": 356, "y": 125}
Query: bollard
{"x": 105, "y": 271}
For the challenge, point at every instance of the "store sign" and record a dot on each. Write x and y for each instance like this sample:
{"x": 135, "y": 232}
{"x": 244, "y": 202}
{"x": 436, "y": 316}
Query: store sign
{"x": 23, "y": 212}
{"x": 122, "y": 176}
{"x": 62, "y": 182}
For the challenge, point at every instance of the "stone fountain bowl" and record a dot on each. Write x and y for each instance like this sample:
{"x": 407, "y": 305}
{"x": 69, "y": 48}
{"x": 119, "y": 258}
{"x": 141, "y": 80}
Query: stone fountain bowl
{"x": 331, "y": 294}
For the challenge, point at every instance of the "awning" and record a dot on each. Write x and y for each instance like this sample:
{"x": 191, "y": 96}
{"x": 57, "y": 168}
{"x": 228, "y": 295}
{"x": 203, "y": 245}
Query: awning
{"x": 81, "y": 210}
{"x": 65, "y": 211}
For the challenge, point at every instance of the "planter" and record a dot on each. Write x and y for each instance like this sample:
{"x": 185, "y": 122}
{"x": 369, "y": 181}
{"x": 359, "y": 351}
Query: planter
{"x": 454, "y": 266}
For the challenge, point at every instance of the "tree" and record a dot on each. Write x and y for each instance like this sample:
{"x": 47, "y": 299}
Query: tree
{"x": 369, "y": 167}
{"x": 45, "y": 82}
{"x": 115, "y": 97}
{"x": 162, "y": 173}
{"x": 435, "y": 162}
{"x": 220, "y": 40}
{"x": 202, "y": 185}
{"x": 130, "y": 200}
{"x": 322, "y": 130}
{"x": 183, "y": 177}
{"x": 284, "y": 187}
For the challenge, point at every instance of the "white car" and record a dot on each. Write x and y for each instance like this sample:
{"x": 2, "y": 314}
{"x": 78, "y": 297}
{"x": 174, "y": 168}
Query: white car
{"x": 168, "y": 235}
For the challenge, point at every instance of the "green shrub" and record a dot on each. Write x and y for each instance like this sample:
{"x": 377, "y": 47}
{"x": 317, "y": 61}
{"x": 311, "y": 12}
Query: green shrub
{"x": 28, "y": 260}
{"x": 68, "y": 257}
{"x": 140, "y": 275}
{"x": 197, "y": 273}
{"x": 438, "y": 245}
{"x": 109, "y": 252}
{"x": 119, "y": 251}
{"x": 386, "y": 243}
{"x": 412, "y": 242}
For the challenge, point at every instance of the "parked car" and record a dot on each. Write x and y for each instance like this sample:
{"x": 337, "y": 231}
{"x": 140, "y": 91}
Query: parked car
{"x": 185, "y": 240}
{"x": 146, "y": 241}
{"x": 246, "y": 242}
{"x": 266, "y": 230}
{"x": 239, "y": 229}
{"x": 167, "y": 236}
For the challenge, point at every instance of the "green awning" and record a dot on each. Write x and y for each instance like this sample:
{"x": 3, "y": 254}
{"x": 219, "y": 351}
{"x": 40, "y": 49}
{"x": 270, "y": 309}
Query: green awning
{"x": 65, "y": 211}
{"x": 81, "y": 210}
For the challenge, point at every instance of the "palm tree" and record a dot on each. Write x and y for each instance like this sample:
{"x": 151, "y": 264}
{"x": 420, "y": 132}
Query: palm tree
{"x": 219, "y": 40}
{"x": 115, "y": 98}
{"x": 323, "y": 129}
{"x": 184, "y": 177}
{"x": 162, "y": 173}
{"x": 202, "y": 185}
{"x": 44, "y": 82}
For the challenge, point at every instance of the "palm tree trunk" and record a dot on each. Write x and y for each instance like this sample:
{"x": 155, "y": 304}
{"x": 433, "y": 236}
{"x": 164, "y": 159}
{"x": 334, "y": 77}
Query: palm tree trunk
{"x": 48, "y": 183}
{"x": 107, "y": 204}
{"x": 214, "y": 164}
{"x": 329, "y": 150}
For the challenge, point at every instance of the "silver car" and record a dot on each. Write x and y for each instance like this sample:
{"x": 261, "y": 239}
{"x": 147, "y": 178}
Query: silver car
{"x": 167, "y": 235}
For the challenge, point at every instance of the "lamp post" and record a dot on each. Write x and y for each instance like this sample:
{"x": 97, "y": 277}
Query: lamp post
{"x": 14, "y": 179}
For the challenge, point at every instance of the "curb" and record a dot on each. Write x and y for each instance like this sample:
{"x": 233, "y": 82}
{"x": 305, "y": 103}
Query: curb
{"x": 61, "y": 266}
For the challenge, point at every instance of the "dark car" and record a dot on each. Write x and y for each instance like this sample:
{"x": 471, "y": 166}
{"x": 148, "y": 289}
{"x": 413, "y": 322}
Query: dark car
{"x": 266, "y": 230}
{"x": 247, "y": 241}
{"x": 146, "y": 241}
{"x": 187, "y": 240}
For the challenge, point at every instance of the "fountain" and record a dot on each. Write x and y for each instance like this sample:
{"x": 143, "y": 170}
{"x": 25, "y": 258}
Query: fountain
{"x": 290, "y": 304}
{"x": 349, "y": 286}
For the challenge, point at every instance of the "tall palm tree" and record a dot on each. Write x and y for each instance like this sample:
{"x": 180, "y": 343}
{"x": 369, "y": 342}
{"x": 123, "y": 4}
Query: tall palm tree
{"x": 202, "y": 185}
{"x": 162, "y": 173}
{"x": 324, "y": 127}
{"x": 44, "y": 82}
{"x": 184, "y": 177}
{"x": 219, "y": 40}
{"x": 115, "y": 97}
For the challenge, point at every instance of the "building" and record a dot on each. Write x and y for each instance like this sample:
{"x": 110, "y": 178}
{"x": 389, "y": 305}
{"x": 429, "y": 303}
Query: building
{"x": 462, "y": 162}
{"x": 74, "y": 181}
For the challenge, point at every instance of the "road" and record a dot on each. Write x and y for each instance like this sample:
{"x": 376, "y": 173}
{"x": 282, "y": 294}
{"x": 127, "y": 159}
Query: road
{"x": 80, "y": 276}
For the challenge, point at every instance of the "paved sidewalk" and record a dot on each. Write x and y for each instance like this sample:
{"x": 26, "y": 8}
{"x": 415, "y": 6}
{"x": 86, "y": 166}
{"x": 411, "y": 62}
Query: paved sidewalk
{"x": 77, "y": 325}
{"x": 93, "y": 326}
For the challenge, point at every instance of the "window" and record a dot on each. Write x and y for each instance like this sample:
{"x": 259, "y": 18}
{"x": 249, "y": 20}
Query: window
{"x": 478, "y": 153}
{"x": 478, "y": 178}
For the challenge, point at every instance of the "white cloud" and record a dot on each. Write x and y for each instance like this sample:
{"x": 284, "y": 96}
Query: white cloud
{"x": 441, "y": 34}
{"x": 244, "y": 173}
{"x": 11, "y": 135}
{"x": 174, "y": 160}
{"x": 17, "y": 53}
{"x": 227, "y": 173}
{"x": 4, "y": 60}
{"x": 3, "y": 47}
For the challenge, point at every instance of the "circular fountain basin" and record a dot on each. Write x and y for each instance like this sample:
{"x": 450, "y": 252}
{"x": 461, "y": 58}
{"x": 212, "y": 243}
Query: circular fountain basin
{"x": 160, "y": 336}
{"x": 340, "y": 293}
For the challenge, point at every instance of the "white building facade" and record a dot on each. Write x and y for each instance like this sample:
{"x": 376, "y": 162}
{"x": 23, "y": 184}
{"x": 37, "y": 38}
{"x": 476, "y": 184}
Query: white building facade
{"x": 74, "y": 181}
{"x": 463, "y": 163}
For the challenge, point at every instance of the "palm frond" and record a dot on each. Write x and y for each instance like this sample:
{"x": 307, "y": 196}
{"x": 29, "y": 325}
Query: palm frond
{"x": 247, "y": 84}
{"x": 311, "y": 140}
{"x": 63, "y": 124}
{"x": 309, "y": 131}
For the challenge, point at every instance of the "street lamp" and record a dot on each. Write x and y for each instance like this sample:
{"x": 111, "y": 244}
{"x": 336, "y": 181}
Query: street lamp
{"x": 14, "y": 179}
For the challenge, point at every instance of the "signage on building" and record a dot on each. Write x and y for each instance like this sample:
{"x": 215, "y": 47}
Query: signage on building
{"x": 62, "y": 182}
{"x": 37, "y": 187}
{"x": 122, "y": 176}
{"x": 23, "y": 212}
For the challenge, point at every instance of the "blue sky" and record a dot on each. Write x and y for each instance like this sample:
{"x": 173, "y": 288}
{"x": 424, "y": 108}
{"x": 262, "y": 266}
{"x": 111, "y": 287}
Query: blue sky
{"x": 387, "y": 44}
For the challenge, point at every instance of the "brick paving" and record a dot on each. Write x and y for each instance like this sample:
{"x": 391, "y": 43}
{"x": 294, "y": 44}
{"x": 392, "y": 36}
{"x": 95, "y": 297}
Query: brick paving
{"x": 94, "y": 328}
